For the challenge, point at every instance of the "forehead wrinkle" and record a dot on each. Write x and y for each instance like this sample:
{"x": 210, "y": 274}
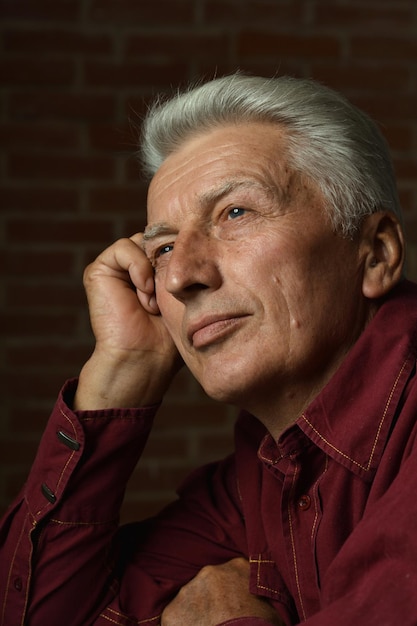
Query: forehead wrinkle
{"x": 209, "y": 198}
{"x": 212, "y": 196}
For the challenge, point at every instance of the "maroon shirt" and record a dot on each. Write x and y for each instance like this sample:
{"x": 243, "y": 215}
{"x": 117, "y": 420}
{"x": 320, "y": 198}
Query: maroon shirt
{"x": 327, "y": 516}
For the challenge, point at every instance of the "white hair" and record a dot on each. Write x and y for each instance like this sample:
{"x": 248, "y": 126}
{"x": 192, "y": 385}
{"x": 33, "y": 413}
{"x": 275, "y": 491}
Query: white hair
{"x": 330, "y": 141}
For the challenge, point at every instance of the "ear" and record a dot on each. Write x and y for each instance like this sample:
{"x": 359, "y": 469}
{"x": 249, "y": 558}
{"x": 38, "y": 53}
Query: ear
{"x": 382, "y": 249}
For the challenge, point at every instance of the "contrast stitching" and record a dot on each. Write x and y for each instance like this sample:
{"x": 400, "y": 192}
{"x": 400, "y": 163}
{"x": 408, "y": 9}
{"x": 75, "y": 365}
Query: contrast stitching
{"x": 69, "y": 420}
{"x": 366, "y": 467}
{"x": 294, "y": 554}
{"x": 124, "y": 618}
{"x": 64, "y": 523}
{"x": 315, "y": 489}
{"x": 259, "y": 560}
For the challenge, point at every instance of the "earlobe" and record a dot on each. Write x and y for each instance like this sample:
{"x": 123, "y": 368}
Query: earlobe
{"x": 382, "y": 250}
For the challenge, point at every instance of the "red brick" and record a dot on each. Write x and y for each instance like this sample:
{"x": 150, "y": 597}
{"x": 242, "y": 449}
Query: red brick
{"x": 135, "y": 75}
{"x": 42, "y": 10}
{"x": 136, "y": 107}
{"x": 398, "y": 136}
{"x": 32, "y": 199}
{"x": 48, "y": 355}
{"x": 14, "y": 453}
{"x": 388, "y": 107}
{"x": 29, "y": 263}
{"x": 262, "y": 66}
{"x": 56, "y": 41}
{"x": 259, "y": 12}
{"x": 411, "y": 225}
{"x": 385, "y": 48}
{"x": 27, "y": 324}
{"x": 77, "y": 106}
{"x": 406, "y": 168}
{"x": 133, "y": 170}
{"x": 406, "y": 200}
{"x": 44, "y": 295}
{"x": 91, "y": 252}
{"x": 38, "y": 136}
{"x": 162, "y": 45}
{"x": 134, "y": 225}
{"x": 58, "y": 231}
{"x": 255, "y": 43}
{"x": 363, "y": 16}
{"x": 54, "y": 167}
{"x": 36, "y": 385}
{"x": 33, "y": 71}
{"x": 118, "y": 200}
{"x": 363, "y": 76}
{"x": 130, "y": 12}
{"x": 30, "y": 419}
{"x": 112, "y": 137}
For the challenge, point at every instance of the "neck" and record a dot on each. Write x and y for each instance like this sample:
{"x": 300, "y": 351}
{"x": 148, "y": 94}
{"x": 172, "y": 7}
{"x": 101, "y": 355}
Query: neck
{"x": 283, "y": 410}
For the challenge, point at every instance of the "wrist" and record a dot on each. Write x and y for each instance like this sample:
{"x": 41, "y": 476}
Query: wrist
{"x": 121, "y": 381}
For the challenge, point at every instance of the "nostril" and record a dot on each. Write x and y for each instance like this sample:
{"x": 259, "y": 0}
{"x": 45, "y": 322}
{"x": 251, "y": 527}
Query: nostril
{"x": 196, "y": 287}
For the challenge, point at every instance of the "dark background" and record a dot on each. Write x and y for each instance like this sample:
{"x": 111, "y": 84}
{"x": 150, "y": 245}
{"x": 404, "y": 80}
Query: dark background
{"x": 75, "y": 77}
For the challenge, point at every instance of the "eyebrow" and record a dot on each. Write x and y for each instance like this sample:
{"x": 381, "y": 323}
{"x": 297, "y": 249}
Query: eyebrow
{"x": 156, "y": 230}
{"x": 208, "y": 198}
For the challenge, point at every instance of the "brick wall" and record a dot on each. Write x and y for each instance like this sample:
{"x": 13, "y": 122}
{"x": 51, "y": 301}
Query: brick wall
{"x": 74, "y": 73}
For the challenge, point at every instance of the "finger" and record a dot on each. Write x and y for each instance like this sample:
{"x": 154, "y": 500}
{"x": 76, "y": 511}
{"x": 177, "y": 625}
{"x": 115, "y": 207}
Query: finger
{"x": 146, "y": 294}
{"x": 126, "y": 262}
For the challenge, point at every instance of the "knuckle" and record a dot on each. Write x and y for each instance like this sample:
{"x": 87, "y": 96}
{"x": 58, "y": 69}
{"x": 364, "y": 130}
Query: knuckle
{"x": 87, "y": 274}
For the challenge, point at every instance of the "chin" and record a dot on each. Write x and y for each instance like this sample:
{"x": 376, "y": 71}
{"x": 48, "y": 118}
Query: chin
{"x": 221, "y": 391}
{"x": 226, "y": 378}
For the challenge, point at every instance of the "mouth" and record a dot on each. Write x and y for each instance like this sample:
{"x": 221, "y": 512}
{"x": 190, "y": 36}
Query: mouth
{"x": 214, "y": 329}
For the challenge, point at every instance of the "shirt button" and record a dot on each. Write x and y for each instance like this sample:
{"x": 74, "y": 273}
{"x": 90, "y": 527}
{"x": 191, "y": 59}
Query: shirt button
{"x": 18, "y": 583}
{"x": 304, "y": 503}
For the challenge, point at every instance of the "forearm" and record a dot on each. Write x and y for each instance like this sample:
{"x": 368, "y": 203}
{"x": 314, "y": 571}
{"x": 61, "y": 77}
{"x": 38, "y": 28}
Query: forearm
{"x": 58, "y": 537}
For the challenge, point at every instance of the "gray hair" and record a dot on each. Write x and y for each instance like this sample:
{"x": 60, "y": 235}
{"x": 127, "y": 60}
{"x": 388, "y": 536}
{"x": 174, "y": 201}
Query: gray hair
{"x": 330, "y": 141}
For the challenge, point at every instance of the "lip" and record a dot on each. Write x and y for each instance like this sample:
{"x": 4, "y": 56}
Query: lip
{"x": 213, "y": 328}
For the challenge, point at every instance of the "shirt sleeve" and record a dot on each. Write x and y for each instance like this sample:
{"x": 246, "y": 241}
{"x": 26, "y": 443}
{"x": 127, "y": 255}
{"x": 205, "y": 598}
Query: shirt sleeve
{"x": 54, "y": 539}
{"x": 64, "y": 558}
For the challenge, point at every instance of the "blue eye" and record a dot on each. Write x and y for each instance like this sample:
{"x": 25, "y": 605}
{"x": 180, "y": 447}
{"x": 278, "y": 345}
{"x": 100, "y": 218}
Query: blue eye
{"x": 236, "y": 212}
{"x": 165, "y": 249}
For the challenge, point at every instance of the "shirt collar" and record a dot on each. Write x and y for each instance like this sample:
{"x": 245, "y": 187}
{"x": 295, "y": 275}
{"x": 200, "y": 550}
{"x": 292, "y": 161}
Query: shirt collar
{"x": 351, "y": 418}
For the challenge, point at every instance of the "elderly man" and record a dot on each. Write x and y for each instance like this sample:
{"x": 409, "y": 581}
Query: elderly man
{"x": 272, "y": 266}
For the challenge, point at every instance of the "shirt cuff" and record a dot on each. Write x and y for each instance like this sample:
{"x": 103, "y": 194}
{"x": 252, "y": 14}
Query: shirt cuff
{"x": 85, "y": 459}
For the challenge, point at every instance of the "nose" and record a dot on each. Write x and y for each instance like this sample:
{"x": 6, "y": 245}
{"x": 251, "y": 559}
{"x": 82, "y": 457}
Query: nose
{"x": 193, "y": 265}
